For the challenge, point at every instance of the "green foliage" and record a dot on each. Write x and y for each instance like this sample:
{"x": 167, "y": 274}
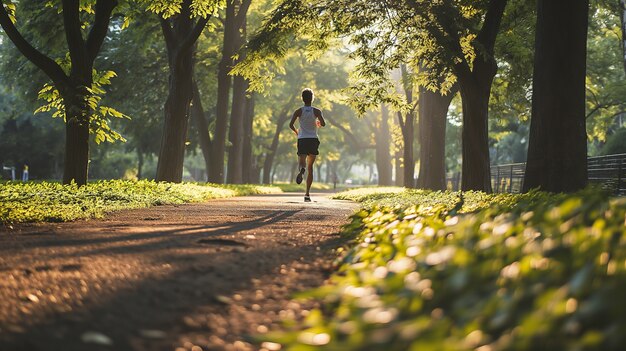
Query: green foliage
{"x": 615, "y": 144}
{"x": 169, "y": 8}
{"x": 54, "y": 202}
{"x": 489, "y": 272}
{"x": 100, "y": 115}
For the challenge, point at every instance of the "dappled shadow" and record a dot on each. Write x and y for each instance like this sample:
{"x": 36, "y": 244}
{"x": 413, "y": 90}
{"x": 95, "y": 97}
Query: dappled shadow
{"x": 189, "y": 266}
{"x": 161, "y": 304}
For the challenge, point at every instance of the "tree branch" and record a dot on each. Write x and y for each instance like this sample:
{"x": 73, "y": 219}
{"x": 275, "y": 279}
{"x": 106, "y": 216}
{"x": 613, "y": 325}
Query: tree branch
{"x": 43, "y": 62}
{"x": 353, "y": 140}
{"x": 194, "y": 34}
{"x": 491, "y": 26}
{"x": 242, "y": 13}
{"x": 100, "y": 27}
{"x": 73, "y": 35}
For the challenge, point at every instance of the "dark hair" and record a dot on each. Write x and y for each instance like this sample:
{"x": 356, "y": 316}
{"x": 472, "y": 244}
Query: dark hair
{"x": 307, "y": 96}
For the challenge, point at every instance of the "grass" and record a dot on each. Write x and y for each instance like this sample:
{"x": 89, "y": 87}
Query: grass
{"x": 471, "y": 271}
{"x": 294, "y": 188}
{"x": 54, "y": 202}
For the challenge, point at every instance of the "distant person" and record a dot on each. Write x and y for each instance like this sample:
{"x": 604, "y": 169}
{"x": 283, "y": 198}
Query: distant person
{"x": 308, "y": 142}
{"x": 25, "y": 174}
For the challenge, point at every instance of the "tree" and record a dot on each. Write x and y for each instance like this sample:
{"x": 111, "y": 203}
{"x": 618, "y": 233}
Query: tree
{"x": 238, "y": 106}
{"x": 236, "y": 11}
{"x": 382, "y": 138}
{"x": 181, "y": 31}
{"x": 433, "y": 111}
{"x": 454, "y": 41}
{"x": 74, "y": 87}
{"x": 557, "y": 152}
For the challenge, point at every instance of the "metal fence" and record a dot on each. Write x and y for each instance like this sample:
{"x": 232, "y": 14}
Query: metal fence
{"x": 607, "y": 171}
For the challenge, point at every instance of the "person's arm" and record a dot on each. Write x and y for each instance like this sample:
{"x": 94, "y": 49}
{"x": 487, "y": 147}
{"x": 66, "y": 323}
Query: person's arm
{"x": 320, "y": 117}
{"x": 295, "y": 116}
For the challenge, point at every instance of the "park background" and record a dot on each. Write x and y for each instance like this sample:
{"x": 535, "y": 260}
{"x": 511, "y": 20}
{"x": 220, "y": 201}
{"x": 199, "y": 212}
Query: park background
{"x": 370, "y": 97}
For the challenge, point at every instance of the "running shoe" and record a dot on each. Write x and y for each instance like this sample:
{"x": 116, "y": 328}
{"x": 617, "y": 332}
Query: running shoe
{"x": 299, "y": 176}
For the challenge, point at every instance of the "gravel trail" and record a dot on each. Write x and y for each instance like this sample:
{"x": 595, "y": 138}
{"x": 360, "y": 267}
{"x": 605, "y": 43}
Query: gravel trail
{"x": 192, "y": 277}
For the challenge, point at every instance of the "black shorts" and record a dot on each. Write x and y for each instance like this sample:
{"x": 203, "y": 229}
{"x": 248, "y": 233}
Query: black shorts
{"x": 308, "y": 146}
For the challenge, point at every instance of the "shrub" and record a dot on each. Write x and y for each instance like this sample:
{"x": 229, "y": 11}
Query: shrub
{"x": 471, "y": 271}
{"x": 54, "y": 202}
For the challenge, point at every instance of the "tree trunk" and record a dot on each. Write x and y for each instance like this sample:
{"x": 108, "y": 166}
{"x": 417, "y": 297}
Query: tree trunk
{"x": 399, "y": 168}
{"x": 475, "y": 95}
{"x": 197, "y": 114}
{"x": 383, "y": 145}
{"x": 408, "y": 131}
{"x": 238, "y": 111}
{"x": 433, "y": 112}
{"x": 557, "y": 151}
{"x": 172, "y": 152}
{"x": 76, "y": 141}
{"x": 271, "y": 153}
{"x": 224, "y": 82}
{"x": 247, "y": 157}
{"x": 180, "y": 34}
{"x": 407, "y": 127}
{"x": 140, "y": 161}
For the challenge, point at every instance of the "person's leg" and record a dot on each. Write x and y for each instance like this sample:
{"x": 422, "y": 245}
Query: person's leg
{"x": 309, "y": 176}
{"x": 301, "y": 166}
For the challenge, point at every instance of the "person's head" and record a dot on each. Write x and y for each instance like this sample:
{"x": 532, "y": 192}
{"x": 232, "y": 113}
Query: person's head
{"x": 307, "y": 96}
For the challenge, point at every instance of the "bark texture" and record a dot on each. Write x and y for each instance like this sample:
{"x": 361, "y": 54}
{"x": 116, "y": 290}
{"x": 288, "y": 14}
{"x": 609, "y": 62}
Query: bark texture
{"x": 557, "y": 151}
{"x": 236, "y": 11}
{"x": 475, "y": 87}
{"x": 180, "y": 33}
{"x": 433, "y": 112}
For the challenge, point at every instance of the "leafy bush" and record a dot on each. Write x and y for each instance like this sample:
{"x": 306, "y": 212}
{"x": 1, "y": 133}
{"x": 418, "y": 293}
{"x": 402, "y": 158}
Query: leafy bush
{"x": 54, "y": 202}
{"x": 441, "y": 271}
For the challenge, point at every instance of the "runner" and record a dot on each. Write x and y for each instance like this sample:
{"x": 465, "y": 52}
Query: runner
{"x": 308, "y": 142}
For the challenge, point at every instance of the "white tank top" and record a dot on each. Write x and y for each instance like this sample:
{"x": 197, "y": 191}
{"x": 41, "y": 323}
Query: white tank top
{"x": 308, "y": 126}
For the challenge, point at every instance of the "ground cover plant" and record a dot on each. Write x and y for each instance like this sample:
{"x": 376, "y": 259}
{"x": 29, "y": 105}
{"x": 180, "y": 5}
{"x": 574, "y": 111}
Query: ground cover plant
{"x": 54, "y": 202}
{"x": 471, "y": 271}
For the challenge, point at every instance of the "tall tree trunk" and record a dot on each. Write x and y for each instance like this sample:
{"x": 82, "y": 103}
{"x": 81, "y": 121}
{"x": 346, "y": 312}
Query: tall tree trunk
{"x": 180, "y": 33}
{"x": 407, "y": 126}
{"x": 475, "y": 81}
{"x": 237, "y": 114}
{"x": 238, "y": 111}
{"x": 383, "y": 145}
{"x": 475, "y": 135}
{"x": 224, "y": 81}
{"x": 236, "y": 11}
{"x": 202, "y": 125}
{"x": 173, "y": 141}
{"x": 557, "y": 151}
{"x": 248, "y": 162}
{"x": 433, "y": 112}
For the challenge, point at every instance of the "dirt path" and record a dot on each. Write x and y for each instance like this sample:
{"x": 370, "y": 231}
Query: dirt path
{"x": 192, "y": 277}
